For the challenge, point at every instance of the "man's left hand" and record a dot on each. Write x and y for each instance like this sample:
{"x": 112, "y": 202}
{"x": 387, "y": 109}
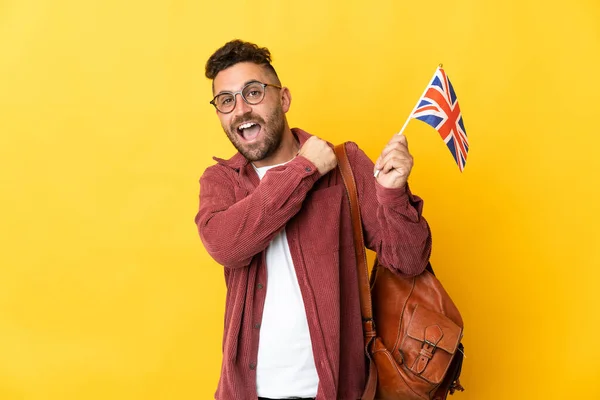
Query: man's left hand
{"x": 394, "y": 163}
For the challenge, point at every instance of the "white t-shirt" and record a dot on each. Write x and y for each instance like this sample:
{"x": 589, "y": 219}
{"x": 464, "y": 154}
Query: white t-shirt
{"x": 285, "y": 366}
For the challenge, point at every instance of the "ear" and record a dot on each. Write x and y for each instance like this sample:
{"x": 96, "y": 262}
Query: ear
{"x": 286, "y": 99}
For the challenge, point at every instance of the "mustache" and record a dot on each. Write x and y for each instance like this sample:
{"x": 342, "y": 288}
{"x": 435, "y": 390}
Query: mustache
{"x": 245, "y": 118}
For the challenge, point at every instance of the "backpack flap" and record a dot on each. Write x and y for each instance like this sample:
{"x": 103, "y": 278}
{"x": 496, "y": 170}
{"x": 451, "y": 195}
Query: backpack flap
{"x": 430, "y": 343}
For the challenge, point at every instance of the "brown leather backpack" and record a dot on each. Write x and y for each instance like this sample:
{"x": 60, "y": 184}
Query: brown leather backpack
{"x": 416, "y": 351}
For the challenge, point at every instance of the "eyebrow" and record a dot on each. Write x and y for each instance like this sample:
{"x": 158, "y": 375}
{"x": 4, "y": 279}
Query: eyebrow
{"x": 245, "y": 83}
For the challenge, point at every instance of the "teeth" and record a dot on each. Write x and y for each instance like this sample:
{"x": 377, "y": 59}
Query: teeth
{"x": 246, "y": 125}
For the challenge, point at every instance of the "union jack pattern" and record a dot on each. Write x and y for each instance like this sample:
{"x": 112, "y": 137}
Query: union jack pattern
{"x": 439, "y": 108}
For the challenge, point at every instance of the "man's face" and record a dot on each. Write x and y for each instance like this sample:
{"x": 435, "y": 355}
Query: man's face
{"x": 254, "y": 130}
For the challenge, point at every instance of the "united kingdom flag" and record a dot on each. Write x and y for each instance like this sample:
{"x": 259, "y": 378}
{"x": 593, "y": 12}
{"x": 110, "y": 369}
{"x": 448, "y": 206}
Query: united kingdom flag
{"x": 439, "y": 108}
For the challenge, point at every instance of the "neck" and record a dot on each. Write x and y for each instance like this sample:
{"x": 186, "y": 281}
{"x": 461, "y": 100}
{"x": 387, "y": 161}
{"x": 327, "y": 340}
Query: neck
{"x": 287, "y": 150}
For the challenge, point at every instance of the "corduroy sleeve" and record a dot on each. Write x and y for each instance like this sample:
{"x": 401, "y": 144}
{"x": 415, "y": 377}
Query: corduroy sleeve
{"x": 234, "y": 232}
{"x": 392, "y": 219}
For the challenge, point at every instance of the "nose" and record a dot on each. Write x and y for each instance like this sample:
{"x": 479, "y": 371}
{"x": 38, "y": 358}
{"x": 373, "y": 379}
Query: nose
{"x": 241, "y": 107}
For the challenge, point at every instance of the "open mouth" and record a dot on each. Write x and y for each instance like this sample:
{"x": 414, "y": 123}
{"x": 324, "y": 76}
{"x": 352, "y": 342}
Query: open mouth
{"x": 249, "y": 131}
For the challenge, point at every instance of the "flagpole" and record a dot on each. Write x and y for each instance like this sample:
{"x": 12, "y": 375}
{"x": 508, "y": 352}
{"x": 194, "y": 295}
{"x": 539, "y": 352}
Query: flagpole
{"x": 415, "y": 107}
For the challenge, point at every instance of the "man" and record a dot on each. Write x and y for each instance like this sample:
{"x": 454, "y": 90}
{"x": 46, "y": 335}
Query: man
{"x": 277, "y": 218}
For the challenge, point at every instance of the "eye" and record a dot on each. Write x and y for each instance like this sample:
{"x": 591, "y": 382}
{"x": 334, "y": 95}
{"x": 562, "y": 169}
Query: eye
{"x": 253, "y": 91}
{"x": 224, "y": 100}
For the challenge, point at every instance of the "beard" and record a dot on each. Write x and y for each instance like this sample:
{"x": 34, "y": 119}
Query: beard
{"x": 271, "y": 134}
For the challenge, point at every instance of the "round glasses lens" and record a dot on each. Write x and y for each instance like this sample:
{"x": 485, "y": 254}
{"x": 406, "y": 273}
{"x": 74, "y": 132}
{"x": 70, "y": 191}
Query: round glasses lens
{"x": 254, "y": 93}
{"x": 225, "y": 102}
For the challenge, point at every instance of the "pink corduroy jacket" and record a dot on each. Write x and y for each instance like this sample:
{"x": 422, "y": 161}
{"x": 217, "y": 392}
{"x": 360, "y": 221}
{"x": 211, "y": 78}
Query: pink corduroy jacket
{"x": 240, "y": 214}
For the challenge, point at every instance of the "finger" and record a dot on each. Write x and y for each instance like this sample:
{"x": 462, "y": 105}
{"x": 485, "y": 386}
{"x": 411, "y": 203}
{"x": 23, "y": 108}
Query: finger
{"x": 398, "y": 151}
{"x": 307, "y": 143}
{"x": 396, "y": 160}
{"x": 314, "y": 139}
{"x": 397, "y": 142}
{"x": 393, "y": 165}
{"x": 390, "y": 148}
{"x": 400, "y": 139}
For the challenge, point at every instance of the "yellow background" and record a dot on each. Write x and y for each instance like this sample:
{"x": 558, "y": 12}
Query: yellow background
{"x": 105, "y": 289}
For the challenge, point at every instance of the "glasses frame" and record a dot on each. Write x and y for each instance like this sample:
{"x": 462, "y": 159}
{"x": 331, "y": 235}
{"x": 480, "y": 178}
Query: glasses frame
{"x": 241, "y": 93}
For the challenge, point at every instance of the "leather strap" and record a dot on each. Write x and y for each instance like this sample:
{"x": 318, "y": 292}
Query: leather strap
{"x": 366, "y": 308}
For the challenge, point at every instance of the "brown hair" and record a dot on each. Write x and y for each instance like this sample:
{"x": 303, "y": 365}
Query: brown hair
{"x": 237, "y": 51}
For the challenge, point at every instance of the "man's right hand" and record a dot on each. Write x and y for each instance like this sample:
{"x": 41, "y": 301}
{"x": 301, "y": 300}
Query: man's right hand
{"x": 319, "y": 153}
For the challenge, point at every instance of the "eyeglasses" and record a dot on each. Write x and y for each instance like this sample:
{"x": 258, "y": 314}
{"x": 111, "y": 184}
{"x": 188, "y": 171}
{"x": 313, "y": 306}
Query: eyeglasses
{"x": 253, "y": 93}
